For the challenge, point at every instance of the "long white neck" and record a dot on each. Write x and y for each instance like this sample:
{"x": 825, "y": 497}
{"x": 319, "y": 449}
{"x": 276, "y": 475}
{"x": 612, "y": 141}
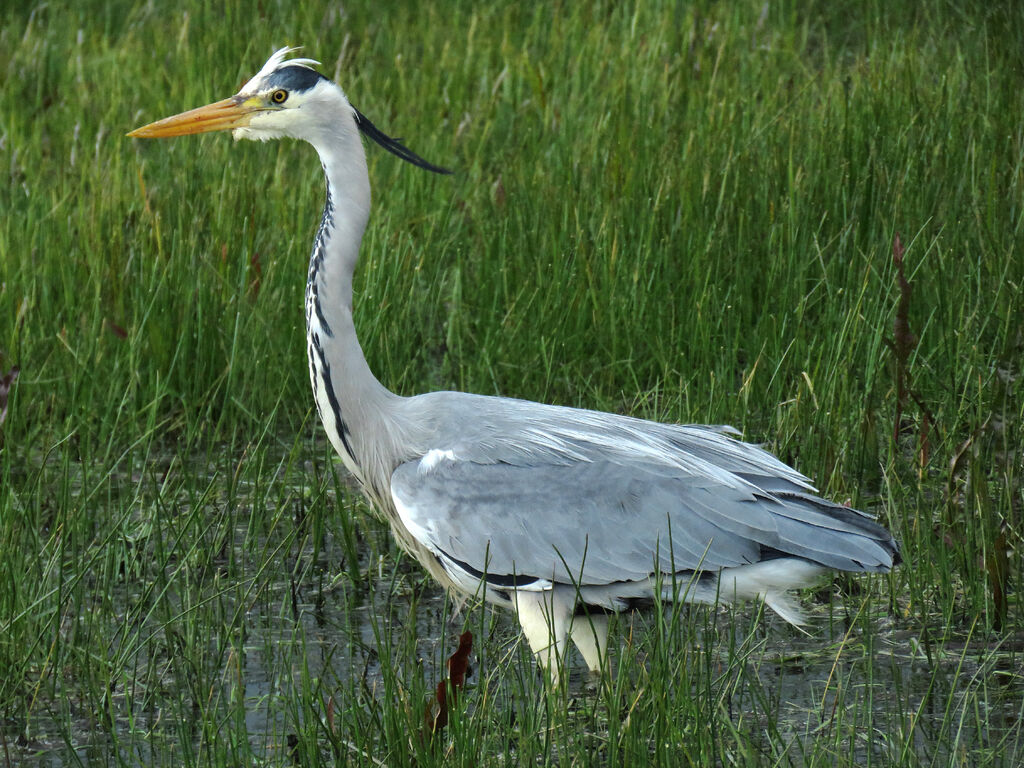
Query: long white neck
{"x": 354, "y": 406}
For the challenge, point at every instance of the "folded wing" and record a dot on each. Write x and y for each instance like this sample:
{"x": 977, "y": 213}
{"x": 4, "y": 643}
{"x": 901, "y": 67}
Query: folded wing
{"x": 593, "y": 522}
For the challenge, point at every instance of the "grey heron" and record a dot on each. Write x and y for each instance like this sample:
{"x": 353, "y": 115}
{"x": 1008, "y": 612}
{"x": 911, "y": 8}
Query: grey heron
{"x": 563, "y": 515}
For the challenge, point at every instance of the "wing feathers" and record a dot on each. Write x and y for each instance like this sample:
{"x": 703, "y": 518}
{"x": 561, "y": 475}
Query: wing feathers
{"x": 600, "y": 522}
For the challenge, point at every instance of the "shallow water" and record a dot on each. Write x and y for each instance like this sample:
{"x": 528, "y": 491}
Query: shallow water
{"x": 308, "y": 628}
{"x": 801, "y": 672}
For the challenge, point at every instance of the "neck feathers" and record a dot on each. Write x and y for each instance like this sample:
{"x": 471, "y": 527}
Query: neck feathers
{"x": 353, "y": 405}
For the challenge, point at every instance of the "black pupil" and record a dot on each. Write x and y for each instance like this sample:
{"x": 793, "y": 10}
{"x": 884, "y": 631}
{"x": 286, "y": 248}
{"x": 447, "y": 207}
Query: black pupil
{"x": 280, "y": 96}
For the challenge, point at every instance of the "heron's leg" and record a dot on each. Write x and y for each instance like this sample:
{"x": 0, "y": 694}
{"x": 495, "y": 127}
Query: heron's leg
{"x": 590, "y": 634}
{"x": 545, "y": 618}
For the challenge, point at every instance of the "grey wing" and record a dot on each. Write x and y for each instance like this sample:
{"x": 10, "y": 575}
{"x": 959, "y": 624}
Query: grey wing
{"x": 599, "y": 522}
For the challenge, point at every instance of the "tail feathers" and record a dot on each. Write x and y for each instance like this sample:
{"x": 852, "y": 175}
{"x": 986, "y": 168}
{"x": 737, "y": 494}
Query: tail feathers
{"x": 786, "y": 606}
{"x": 768, "y": 580}
{"x": 771, "y": 580}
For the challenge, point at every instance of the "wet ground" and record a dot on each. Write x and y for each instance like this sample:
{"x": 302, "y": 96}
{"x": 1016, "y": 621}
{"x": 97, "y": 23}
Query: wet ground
{"x": 303, "y": 626}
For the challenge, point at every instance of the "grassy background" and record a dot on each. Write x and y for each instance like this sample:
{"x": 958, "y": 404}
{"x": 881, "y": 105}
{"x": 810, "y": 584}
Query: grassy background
{"x": 683, "y": 211}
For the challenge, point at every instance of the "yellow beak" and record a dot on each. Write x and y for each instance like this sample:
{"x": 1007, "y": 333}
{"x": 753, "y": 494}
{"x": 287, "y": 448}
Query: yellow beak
{"x": 220, "y": 116}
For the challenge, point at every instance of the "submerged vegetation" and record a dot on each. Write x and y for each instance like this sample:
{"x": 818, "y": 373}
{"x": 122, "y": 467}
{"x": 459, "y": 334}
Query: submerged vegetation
{"x": 802, "y": 219}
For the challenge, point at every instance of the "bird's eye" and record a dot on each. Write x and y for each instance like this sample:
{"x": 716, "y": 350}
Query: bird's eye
{"x": 279, "y": 96}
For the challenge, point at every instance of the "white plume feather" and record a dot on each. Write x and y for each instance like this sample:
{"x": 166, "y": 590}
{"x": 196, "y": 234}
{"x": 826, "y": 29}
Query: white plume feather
{"x": 276, "y": 59}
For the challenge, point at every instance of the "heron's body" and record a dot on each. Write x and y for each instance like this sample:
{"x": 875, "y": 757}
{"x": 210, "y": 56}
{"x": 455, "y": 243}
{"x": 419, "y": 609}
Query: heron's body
{"x": 554, "y": 512}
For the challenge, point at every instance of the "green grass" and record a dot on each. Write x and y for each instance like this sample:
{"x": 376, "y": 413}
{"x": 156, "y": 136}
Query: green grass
{"x": 678, "y": 211}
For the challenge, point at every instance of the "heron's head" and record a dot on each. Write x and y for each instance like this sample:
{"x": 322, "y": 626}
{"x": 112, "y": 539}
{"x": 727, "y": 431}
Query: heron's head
{"x": 288, "y": 97}
{"x": 285, "y": 98}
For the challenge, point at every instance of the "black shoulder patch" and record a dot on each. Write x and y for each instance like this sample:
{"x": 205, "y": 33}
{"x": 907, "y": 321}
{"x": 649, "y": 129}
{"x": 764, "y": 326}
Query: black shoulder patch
{"x": 294, "y": 78}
